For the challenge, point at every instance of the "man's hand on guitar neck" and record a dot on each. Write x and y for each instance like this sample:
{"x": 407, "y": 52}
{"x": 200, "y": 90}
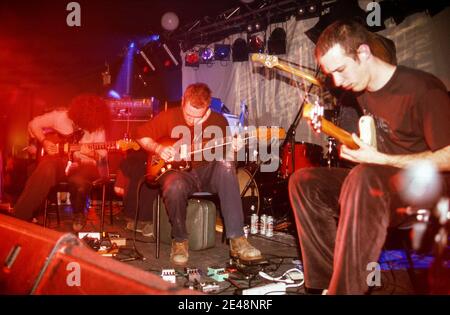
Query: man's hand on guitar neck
{"x": 49, "y": 147}
{"x": 365, "y": 153}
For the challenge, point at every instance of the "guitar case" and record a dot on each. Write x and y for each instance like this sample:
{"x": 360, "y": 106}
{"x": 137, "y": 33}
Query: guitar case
{"x": 200, "y": 224}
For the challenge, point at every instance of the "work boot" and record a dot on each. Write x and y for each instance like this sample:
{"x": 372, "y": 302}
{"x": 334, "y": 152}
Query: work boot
{"x": 179, "y": 253}
{"x": 242, "y": 249}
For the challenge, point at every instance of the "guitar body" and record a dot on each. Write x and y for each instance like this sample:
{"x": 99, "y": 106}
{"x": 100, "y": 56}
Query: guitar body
{"x": 67, "y": 144}
{"x": 156, "y": 166}
{"x": 61, "y": 141}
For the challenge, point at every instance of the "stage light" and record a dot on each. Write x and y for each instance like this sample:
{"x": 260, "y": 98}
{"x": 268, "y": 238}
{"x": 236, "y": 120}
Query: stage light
{"x": 312, "y": 8}
{"x": 301, "y": 12}
{"x": 256, "y": 44}
{"x": 222, "y": 52}
{"x": 206, "y": 55}
{"x": 113, "y": 94}
{"x": 240, "y": 50}
{"x": 147, "y": 60}
{"x": 276, "y": 44}
{"x": 192, "y": 59}
{"x": 154, "y": 38}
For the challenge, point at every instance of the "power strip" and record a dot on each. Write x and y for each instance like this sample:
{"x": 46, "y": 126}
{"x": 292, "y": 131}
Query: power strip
{"x": 278, "y": 288}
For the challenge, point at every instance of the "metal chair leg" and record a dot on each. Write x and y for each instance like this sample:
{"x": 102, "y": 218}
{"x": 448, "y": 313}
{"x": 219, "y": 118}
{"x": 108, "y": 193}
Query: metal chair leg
{"x": 157, "y": 225}
{"x": 102, "y": 227}
{"x": 45, "y": 212}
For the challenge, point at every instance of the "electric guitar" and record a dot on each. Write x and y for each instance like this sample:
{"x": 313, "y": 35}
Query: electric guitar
{"x": 156, "y": 166}
{"x": 367, "y": 129}
{"x": 273, "y": 62}
{"x": 65, "y": 145}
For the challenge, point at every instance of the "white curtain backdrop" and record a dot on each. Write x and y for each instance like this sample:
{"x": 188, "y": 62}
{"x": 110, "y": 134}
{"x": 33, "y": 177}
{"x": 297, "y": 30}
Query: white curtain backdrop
{"x": 273, "y": 97}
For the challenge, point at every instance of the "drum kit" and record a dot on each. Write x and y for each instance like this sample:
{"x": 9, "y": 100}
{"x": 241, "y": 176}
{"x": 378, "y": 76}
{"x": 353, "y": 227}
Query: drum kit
{"x": 267, "y": 192}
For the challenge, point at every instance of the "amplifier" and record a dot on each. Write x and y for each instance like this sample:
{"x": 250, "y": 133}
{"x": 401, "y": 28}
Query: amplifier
{"x": 133, "y": 109}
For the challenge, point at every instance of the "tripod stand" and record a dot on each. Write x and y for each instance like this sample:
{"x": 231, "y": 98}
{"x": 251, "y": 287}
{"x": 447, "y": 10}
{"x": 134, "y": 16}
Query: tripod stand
{"x": 290, "y": 134}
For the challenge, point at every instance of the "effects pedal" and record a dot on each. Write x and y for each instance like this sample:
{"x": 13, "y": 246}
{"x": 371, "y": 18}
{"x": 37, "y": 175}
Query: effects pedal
{"x": 193, "y": 275}
{"x": 217, "y": 273}
{"x": 248, "y": 267}
{"x": 169, "y": 275}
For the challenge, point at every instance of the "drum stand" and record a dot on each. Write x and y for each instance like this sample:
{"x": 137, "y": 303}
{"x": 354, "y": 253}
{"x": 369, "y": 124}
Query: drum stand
{"x": 290, "y": 134}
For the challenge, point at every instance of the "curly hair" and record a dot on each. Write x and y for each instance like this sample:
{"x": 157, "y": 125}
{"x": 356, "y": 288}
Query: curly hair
{"x": 90, "y": 112}
{"x": 198, "y": 94}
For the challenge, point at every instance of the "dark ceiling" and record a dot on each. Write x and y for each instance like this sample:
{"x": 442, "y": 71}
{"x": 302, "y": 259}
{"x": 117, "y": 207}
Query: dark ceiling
{"x": 39, "y": 51}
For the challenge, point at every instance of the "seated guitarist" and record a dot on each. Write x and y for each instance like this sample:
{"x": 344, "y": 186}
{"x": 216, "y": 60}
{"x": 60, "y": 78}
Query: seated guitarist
{"x": 215, "y": 176}
{"x": 88, "y": 116}
{"x": 342, "y": 215}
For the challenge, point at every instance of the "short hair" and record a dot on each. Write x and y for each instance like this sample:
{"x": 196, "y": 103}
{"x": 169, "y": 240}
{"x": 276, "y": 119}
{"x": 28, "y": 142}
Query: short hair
{"x": 347, "y": 33}
{"x": 198, "y": 94}
{"x": 90, "y": 112}
{"x": 350, "y": 35}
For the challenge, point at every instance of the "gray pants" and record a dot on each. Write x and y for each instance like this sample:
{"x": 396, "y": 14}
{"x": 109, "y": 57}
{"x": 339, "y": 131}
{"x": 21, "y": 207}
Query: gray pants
{"x": 342, "y": 217}
{"x": 215, "y": 177}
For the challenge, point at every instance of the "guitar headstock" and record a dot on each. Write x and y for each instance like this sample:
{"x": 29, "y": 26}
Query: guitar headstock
{"x": 314, "y": 113}
{"x": 268, "y": 60}
{"x": 125, "y": 145}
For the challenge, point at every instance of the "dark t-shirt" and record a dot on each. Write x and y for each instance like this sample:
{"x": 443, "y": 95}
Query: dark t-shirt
{"x": 160, "y": 128}
{"x": 411, "y": 112}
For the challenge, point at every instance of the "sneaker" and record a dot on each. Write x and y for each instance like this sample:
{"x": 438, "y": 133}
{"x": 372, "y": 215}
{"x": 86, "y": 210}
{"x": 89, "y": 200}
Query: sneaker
{"x": 79, "y": 221}
{"x": 140, "y": 225}
{"x": 179, "y": 254}
{"x": 147, "y": 230}
{"x": 242, "y": 249}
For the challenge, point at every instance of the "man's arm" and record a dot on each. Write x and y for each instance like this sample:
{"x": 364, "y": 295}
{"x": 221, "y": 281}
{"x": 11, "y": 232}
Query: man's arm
{"x": 150, "y": 145}
{"x": 368, "y": 154}
{"x": 36, "y": 130}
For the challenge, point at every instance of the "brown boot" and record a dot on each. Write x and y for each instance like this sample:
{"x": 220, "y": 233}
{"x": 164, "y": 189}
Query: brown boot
{"x": 179, "y": 253}
{"x": 242, "y": 249}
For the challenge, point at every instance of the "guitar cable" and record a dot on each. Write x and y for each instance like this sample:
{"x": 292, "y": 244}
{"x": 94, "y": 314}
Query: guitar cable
{"x": 136, "y": 216}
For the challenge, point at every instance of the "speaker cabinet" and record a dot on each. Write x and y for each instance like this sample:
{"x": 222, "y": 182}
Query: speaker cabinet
{"x": 36, "y": 260}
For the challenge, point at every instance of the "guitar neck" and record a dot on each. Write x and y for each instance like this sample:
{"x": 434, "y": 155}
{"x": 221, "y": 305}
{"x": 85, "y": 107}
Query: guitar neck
{"x": 110, "y": 145}
{"x": 331, "y": 129}
{"x": 340, "y": 134}
{"x": 297, "y": 73}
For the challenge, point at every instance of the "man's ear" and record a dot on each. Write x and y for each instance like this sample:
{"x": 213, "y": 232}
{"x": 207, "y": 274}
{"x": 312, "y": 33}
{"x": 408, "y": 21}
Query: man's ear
{"x": 364, "y": 52}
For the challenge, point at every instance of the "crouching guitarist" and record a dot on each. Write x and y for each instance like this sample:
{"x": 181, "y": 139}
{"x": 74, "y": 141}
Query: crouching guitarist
{"x": 211, "y": 175}
{"x": 85, "y": 121}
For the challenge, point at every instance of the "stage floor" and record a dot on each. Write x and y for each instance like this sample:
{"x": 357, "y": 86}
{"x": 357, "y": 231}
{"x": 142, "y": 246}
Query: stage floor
{"x": 280, "y": 253}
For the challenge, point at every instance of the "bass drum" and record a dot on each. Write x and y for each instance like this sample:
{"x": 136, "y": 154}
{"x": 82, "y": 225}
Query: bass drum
{"x": 306, "y": 155}
{"x": 265, "y": 193}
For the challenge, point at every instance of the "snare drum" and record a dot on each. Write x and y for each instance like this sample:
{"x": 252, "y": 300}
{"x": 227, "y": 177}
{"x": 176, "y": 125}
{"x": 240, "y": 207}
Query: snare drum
{"x": 305, "y": 155}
